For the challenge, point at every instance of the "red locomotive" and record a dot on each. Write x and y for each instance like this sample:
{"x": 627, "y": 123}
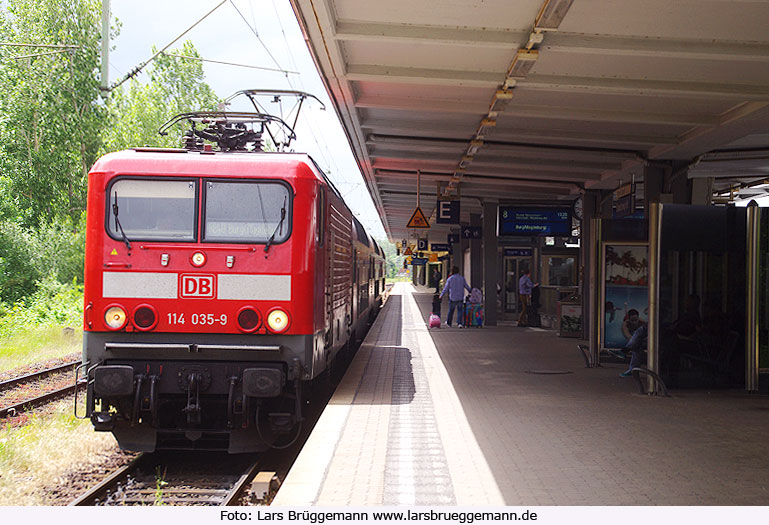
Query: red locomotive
{"x": 219, "y": 281}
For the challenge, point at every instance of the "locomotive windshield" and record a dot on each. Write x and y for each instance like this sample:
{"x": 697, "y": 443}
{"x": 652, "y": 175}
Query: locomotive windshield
{"x": 251, "y": 212}
{"x": 152, "y": 209}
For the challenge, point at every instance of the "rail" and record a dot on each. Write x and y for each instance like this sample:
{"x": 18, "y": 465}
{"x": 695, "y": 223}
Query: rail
{"x": 206, "y": 485}
{"x": 101, "y": 491}
{"x": 22, "y": 406}
{"x": 9, "y": 383}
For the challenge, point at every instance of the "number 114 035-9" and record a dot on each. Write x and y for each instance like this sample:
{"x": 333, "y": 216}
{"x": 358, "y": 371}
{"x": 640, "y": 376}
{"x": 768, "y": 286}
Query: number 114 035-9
{"x": 197, "y": 319}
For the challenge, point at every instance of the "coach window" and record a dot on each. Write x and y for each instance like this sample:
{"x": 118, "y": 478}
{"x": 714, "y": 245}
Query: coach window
{"x": 145, "y": 209}
{"x": 319, "y": 215}
{"x": 253, "y": 212}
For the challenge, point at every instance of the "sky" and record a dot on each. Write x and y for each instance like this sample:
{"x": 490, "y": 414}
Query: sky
{"x": 261, "y": 33}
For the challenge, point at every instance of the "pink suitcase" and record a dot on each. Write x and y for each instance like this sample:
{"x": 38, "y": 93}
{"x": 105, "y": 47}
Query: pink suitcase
{"x": 435, "y": 321}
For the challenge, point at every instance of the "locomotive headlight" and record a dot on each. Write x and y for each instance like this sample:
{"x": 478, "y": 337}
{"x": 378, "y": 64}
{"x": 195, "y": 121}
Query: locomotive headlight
{"x": 198, "y": 259}
{"x": 115, "y": 317}
{"x": 278, "y": 320}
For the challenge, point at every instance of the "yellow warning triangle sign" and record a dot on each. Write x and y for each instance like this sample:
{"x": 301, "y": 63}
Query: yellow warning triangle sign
{"x": 113, "y": 252}
{"x": 418, "y": 220}
{"x": 408, "y": 251}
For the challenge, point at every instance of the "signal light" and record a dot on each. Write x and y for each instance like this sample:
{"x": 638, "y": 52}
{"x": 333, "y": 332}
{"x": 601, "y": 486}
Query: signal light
{"x": 145, "y": 317}
{"x": 198, "y": 259}
{"x": 278, "y": 320}
{"x": 248, "y": 319}
{"x": 115, "y": 317}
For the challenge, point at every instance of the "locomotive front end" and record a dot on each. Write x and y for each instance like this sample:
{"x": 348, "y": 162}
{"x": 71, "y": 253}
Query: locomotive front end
{"x": 198, "y": 299}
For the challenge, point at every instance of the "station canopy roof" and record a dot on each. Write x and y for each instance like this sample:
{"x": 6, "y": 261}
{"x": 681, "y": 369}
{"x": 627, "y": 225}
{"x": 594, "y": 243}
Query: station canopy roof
{"x": 538, "y": 100}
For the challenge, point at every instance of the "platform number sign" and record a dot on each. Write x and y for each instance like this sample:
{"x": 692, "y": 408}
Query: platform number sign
{"x": 422, "y": 245}
{"x": 448, "y": 212}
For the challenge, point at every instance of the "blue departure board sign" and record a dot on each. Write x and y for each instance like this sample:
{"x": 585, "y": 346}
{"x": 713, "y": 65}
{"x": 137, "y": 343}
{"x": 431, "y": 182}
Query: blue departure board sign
{"x": 536, "y": 222}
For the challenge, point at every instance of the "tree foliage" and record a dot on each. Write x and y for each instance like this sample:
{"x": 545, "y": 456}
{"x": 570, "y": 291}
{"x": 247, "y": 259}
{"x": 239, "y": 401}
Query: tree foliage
{"x": 50, "y": 112}
{"x": 54, "y": 123}
{"x": 175, "y": 85}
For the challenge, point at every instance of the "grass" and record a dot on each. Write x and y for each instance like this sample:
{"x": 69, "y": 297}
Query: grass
{"x": 42, "y": 326}
{"x": 50, "y": 445}
{"x": 160, "y": 482}
{"x": 38, "y": 344}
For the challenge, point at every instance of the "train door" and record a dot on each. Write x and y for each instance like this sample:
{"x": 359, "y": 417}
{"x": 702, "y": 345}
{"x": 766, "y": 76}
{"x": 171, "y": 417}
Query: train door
{"x": 375, "y": 266}
{"x": 330, "y": 244}
{"x": 513, "y": 269}
{"x": 355, "y": 292}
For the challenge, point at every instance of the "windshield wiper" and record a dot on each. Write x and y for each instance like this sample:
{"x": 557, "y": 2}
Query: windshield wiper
{"x": 119, "y": 227}
{"x": 278, "y": 227}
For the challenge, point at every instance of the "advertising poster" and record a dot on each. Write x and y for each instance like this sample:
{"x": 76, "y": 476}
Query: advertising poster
{"x": 570, "y": 320}
{"x": 626, "y": 279}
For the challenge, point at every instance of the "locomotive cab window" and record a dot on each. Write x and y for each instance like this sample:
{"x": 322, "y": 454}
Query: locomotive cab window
{"x": 252, "y": 212}
{"x": 145, "y": 209}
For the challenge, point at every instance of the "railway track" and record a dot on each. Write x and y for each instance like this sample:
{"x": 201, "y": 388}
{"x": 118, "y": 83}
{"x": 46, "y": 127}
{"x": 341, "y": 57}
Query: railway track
{"x": 24, "y": 392}
{"x": 172, "y": 479}
{"x": 16, "y": 381}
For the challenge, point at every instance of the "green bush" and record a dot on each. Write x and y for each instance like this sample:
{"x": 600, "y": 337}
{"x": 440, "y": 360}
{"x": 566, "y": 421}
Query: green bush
{"x": 61, "y": 245}
{"x": 18, "y": 269}
{"x": 52, "y": 304}
{"x": 54, "y": 250}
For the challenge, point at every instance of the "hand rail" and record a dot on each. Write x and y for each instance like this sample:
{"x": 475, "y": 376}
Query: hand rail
{"x": 637, "y": 371}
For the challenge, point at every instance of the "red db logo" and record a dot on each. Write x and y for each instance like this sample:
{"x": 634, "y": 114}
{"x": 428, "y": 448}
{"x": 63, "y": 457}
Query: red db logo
{"x": 198, "y": 286}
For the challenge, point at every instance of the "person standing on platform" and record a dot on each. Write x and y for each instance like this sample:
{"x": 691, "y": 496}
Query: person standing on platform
{"x": 525, "y": 286}
{"x": 437, "y": 279}
{"x": 455, "y": 286}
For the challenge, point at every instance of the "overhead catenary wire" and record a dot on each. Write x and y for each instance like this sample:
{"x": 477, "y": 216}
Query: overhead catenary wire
{"x": 355, "y": 185}
{"x": 135, "y": 71}
{"x": 321, "y": 149}
{"x": 17, "y": 57}
{"x": 199, "y": 59}
{"x": 256, "y": 33}
{"x": 17, "y": 44}
{"x": 60, "y": 48}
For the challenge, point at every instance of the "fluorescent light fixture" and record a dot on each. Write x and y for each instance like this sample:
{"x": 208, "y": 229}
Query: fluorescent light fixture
{"x": 486, "y": 125}
{"x": 522, "y": 63}
{"x": 500, "y": 100}
{"x": 552, "y": 14}
{"x": 475, "y": 145}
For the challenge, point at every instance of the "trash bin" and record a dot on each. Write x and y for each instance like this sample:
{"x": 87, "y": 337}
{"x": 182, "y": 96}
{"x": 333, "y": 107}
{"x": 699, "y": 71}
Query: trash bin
{"x": 570, "y": 318}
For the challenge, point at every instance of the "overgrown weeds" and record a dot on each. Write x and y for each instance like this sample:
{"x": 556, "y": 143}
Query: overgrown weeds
{"x": 50, "y": 445}
{"x": 43, "y": 326}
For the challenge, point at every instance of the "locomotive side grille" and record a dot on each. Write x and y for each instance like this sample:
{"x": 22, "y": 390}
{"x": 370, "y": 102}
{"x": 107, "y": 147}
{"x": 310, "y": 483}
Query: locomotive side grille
{"x": 342, "y": 259}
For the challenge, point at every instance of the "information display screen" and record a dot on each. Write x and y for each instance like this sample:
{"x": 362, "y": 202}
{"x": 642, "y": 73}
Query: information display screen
{"x": 527, "y": 221}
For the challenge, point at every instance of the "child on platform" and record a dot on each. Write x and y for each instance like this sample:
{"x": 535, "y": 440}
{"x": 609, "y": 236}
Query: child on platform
{"x": 437, "y": 305}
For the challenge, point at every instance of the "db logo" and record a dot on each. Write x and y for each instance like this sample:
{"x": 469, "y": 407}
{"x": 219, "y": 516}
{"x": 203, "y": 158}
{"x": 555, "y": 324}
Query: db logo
{"x": 197, "y": 285}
